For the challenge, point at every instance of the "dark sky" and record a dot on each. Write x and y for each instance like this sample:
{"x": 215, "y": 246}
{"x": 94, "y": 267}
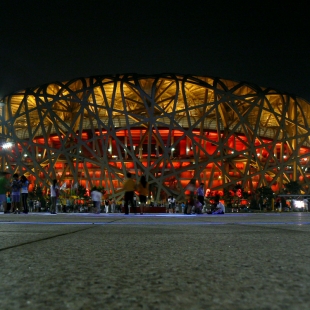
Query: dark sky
{"x": 45, "y": 41}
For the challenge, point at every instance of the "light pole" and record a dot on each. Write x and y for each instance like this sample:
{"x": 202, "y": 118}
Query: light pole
{"x": 4, "y": 144}
{"x": 1, "y": 132}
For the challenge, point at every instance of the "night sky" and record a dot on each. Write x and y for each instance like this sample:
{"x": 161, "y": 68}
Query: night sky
{"x": 45, "y": 41}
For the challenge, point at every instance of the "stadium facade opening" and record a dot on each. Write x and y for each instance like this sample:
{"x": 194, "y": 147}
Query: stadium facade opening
{"x": 172, "y": 128}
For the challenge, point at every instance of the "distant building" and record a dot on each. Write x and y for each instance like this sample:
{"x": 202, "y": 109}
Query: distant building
{"x": 172, "y": 128}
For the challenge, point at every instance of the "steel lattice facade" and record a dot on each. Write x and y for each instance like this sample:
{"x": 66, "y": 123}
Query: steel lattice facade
{"x": 172, "y": 128}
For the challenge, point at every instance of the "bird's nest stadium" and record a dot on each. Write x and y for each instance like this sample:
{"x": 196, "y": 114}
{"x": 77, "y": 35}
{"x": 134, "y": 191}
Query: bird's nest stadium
{"x": 171, "y": 128}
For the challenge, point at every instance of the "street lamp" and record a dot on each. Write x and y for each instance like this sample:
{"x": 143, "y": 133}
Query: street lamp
{"x": 1, "y": 132}
{"x": 4, "y": 145}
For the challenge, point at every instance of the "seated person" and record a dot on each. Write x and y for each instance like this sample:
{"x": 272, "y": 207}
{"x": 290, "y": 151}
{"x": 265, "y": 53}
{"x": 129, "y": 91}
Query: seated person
{"x": 198, "y": 207}
{"x": 220, "y": 208}
{"x": 212, "y": 207}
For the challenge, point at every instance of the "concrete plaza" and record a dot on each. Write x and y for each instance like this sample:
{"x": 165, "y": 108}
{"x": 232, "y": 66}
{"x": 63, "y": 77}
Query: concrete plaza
{"x": 156, "y": 261}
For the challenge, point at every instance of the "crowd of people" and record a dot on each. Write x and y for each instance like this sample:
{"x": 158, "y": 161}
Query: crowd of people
{"x": 129, "y": 188}
{"x": 14, "y": 195}
{"x": 193, "y": 206}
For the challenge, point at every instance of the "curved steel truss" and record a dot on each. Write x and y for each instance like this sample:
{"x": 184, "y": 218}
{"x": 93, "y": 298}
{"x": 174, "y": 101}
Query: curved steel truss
{"x": 171, "y": 128}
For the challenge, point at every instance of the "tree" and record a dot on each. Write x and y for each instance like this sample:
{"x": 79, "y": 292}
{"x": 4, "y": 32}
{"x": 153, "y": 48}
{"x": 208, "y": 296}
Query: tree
{"x": 228, "y": 196}
{"x": 266, "y": 195}
{"x": 292, "y": 187}
{"x": 37, "y": 194}
{"x": 81, "y": 191}
{"x": 254, "y": 204}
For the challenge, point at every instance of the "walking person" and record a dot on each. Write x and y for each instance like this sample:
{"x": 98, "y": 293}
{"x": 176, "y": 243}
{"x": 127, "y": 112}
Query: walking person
{"x": 96, "y": 197}
{"x": 200, "y": 194}
{"x": 143, "y": 190}
{"x": 54, "y": 196}
{"x": 4, "y": 187}
{"x": 129, "y": 187}
{"x": 16, "y": 186}
{"x": 24, "y": 193}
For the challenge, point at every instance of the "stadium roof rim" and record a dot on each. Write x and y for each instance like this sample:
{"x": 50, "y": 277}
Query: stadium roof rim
{"x": 138, "y": 76}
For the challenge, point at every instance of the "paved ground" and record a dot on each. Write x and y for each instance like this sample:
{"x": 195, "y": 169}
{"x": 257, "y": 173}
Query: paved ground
{"x": 85, "y": 261}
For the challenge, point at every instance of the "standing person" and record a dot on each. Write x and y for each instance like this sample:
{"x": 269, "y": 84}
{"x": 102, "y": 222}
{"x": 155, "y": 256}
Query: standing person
{"x": 112, "y": 203}
{"x": 4, "y": 187}
{"x": 200, "y": 194}
{"x": 24, "y": 192}
{"x": 168, "y": 205}
{"x": 173, "y": 203}
{"x": 107, "y": 205}
{"x": 143, "y": 190}
{"x": 8, "y": 203}
{"x": 182, "y": 206}
{"x": 129, "y": 187}
{"x": 31, "y": 205}
{"x": 16, "y": 186}
{"x": 67, "y": 206}
{"x": 54, "y": 196}
{"x": 190, "y": 205}
{"x": 134, "y": 207}
{"x": 96, "y": 197}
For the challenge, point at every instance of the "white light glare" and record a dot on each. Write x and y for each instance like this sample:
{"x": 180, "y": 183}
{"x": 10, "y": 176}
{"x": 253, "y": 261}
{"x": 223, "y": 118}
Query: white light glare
{"x": 298, "y": 204}
{"x": 7, "y": 145}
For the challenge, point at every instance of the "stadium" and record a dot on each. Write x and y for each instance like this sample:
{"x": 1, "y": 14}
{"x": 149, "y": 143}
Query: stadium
{"x": 174, "y": 129}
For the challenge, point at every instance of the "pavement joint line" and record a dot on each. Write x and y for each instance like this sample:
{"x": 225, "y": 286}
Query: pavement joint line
{"x": 47, "y": 238}
{"x": 176, "y": 215}
{"x": 118, "y": 222}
